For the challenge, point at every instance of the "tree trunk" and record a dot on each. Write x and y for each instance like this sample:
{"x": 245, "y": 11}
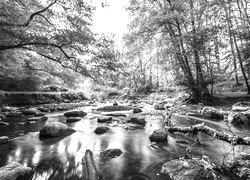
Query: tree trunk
{"x": 241, "y": 65}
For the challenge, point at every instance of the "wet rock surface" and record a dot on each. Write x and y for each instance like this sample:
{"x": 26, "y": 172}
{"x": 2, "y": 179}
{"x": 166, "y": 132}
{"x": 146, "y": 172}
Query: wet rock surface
{"x": 55, "y": 129}
{"x": 73, "y": 119}
{"x": 110, "y": 153}
{"x": 212, "y": 113}
{"x": 187, "y": 169}
{"x": 75, "y": 114}
{"x": 137, "y": 120}
{"x": 104, "y": 119}
{"x": 15, "y": 171}
{"x": 237, "y": 118}
{"x": 159, "y": 135}
{"x": 101, "y": 130}
{"x": 159, "y": 107}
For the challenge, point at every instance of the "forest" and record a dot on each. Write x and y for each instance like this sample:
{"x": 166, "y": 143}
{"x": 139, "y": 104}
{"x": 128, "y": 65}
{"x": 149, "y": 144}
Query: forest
{"x": 128, "y": 90}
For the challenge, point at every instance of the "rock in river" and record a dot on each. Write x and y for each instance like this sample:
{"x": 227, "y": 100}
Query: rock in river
{"x": 187, "y": 169}
{"x": 73, "y": 119}
{"x": 31, "y": 111}
{"x": 159, "y": 135}
{"x": 212, "y": 113}
{"x": 101, "y": 130}
{"x": 15, "y": 171}
{"x": 104, "y": 119}
{"x": 36, "y": 119}
{"x": 110, "y": 153}
{"x": 75, "y": 114}
{"x": 55, "y": 129}
{"x": 4, "y": 139}
{"x": 237, "y": 118}
{"x": 137, "y": 110}
{"x": 135, "y": 120}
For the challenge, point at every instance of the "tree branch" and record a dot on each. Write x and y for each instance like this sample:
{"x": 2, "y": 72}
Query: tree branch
{"x": 234, "y": 140}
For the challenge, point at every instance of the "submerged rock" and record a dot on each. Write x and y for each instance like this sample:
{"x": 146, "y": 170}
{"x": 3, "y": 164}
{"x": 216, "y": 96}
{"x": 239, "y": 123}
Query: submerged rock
{"x": 13, "y": 114}
{"x": 135, "y": 120}
{"x": 187, "y": 169}
{"x": 4, "y": 139}
{"x": 110, "y": 153}
{"x": 212, "y": 113}
{"x": 104, "y": 119}
{"x": 8, "y": 109}
{"x": 237, "y": 118}
{"x": 4, "y": 123}
{"x": 15, "y": 171}
{"x": 159, "y": 135}
{"x": 75, "y": 114}
{"x": 55, "y": 129}
{"x": 101, "y": 130}
{"x": 116, "y": 114}
{"x": 73, "y": 119}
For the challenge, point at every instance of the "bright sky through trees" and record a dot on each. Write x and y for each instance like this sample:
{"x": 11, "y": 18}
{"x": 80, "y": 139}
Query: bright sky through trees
{"x": 112, "y": 18}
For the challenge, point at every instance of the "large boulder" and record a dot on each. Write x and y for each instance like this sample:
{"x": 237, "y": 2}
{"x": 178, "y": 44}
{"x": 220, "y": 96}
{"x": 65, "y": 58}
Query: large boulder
{"x": 55, "y": 129}
{"x": 4, "y": 139}
{"x": 135, "y": 120}
{"x": 15, "y": 171}
{"x": 159, "y": 135}
{"x": 187, "y": 169}
{"x": 212, "y": 113}
{"x": 101, "y": 130}
{"x": 237, "y": 118}
{"x": 75, "y": 114}
{"x": 110, "y": 153}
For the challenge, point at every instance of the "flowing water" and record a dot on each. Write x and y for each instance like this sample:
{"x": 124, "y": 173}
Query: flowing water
{"x": 60, "y": 158}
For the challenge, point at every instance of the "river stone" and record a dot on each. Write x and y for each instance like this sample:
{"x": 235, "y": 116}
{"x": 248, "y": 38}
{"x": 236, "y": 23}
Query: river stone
{"x": 36, "y": 119}
{"x": 116, "y": 114}
{"x": 4, "y": 139}
{"x": 212, "y": 113}
{"x": 110, "y": 153}
{"x": 73, "y": 119}
{"x": 159, "y": 107}
{"x": 101, "y": 130}
{"x": 159, "y": 135}
{"x": 55, "y": 129}
{"x": 237, "y": 118}
{"x": 75, "y": 114}
{"x": 43, "y": 109}
{"x": 135, "y": 120}
{"x": 104, "y": 119}
{"x": 187, "y": 169}
{"x": 31, "y": 111}
{"x": 15, "y": 171}
{"x": 137, "y": 110}
{"x": 241, "y": 106}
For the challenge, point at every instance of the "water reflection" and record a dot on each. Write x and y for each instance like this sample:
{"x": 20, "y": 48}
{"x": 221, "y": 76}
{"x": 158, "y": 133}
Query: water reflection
{"x": 60, "y": 158}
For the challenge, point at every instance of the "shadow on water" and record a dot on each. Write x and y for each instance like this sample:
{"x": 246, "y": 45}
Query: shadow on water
{"x": 59, "y": 159}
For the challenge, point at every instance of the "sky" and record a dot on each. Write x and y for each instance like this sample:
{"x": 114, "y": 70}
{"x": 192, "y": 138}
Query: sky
{"x": 113, "y": 18}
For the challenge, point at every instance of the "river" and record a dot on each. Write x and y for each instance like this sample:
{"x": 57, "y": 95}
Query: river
{"x": 60, "y": 158}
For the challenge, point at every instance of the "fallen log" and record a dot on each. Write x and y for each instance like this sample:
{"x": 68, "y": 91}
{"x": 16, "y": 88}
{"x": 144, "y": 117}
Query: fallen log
{"x": 90, "y": 171}
{"x": 232, "y": 139}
